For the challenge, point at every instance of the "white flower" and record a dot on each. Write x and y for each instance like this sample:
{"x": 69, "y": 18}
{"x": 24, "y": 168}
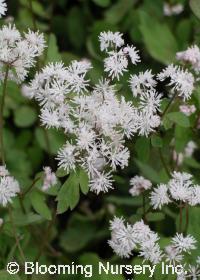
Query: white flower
{"x": 67, "y": 157}
{"x": 147, "y": 123}
{"x": 182, "y": 81}
{"x": 50, "y": 179}
{"x": 191, "y": 55}
{"x": 115, "y": 64}
{"x": 151, "y": 252}
{"x": 122, "y": 238}
{"x": 173, "y": 255}
{"x": 132, "y": 53}
{"x": 9, "y": 188}
{"x": 139, "y": 184}
{"x": 3, "y": 171}
{"x": 160, "y": 197}
{"x": 188, "y": 110}
{"x": 3, "y": 8}
{"x": 150, "y": 101}
{"x": 180, "y": 186}
{"x": 19, "y": 51}
{"x": 110, "y": 40}
{"x": 102, "y": 182}
{"x": 170, "y": 10}
{"x": 190, "y": 148}
{"x": 184, "y": 244}
{"x": 139, "y": 83}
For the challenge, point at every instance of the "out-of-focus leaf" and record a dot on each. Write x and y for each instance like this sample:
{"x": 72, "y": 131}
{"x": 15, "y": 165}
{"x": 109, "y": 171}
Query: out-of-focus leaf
{"x": 148, "y": 171}
{"x": 179, "y": 118}
{"x": 142, "y": 148}
{"x": 115, "y": 14}
{"x": 53, "y": 54}
{"x": 156, "y": 141}
{"x": 195, "y": 6}
{"x": 25, "y": 116}
{"x": 70, "y": 239}
{"x": 83, "y": 181}
{"x": 160, "y": 43}
{"x": 4, "y": 275}
{"x": 39, "y": 204}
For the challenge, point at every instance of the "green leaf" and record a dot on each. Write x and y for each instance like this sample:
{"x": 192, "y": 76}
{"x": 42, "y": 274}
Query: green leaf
{"x": 25, "y": 116}
{"x": 179, "y": 118}
{"x": 160, "y": 43}
{"x": 156, "y": 141}
{"x": 195, "y": 7}
{"x": 142, "y": 147}
{"x": 193, "y": 228}
{"x": 155, "y": 217}
{"x": 115, "y": 14}
{"x": 26, "y": 219}
{"x": 83, "y": 181}
{"x": 68, "y": 196}
{"x": 53, "y": 54}
{"x": 71, "y": 241}
{"x": 39, "y": 204}
{"x": 148, "y": 171}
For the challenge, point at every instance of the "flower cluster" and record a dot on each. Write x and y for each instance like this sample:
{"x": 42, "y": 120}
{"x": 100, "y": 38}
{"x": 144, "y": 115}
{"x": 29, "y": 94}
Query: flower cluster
{"x": 18, "y": 52}
{"x": 181, "y": 81}
{"x": 138, "y": 185}
{"x": 192, "y": 56}
{"x": 117, "y": 61}
{"x": 126, "y": 238}
{"x": 95, "y": 119}
{"x": 9, "y": 187}
{"x": 179, "y": 189}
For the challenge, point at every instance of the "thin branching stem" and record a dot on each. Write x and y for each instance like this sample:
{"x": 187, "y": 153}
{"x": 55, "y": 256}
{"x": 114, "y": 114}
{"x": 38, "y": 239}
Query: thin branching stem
{"x": 2, "y": 153}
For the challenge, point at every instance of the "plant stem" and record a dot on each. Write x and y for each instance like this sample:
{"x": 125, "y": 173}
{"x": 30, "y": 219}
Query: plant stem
{"x": 46, "y": 237}
{"x": 187, "y": 218}
{"x": 164, "y": 163}
{"x": 30, "y": 187}
{"x": 15, "y": 235}
{"x": 181, "y": 217}
{"x": 1, "y": 115}
{"x": 169, "y": 104}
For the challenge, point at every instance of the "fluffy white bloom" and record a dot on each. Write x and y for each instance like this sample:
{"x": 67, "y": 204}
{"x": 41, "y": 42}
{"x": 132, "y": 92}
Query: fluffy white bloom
{"x": 173, "y": 255}
{"x": 180, "y": 186}
{"x": 110, "y": 40}
{"x": 132, "y": 53}
{"x": 170, "y": 10}
{"x": 126, "y": 238}
{"x": 115, "y": 64}
{"x": 3, "y": 8}
{"x": 95, "y": 118}
{"x": 67, "y": 157}
{"x": 192, "y": 56}
{"x": 160, "y": 197}
{"x": 151, "y": 252}
{"x": 139, "y": 184}
{"x": 181, "y": 80}
{"x": 141, "y": 82}
{"x": 9, "y": 188}
{"x": 188, "y": 110}
{"x": 102, "y": 182}
{"x": 184, "y": 244}
{"x": 50, "y": 179}
{"x": 19, "y": 51}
